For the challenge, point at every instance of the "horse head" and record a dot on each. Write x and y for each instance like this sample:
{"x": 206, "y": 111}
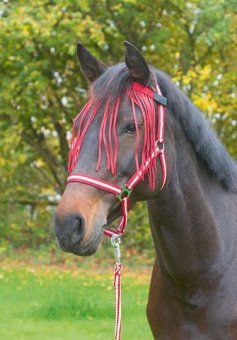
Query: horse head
{"x": 113, "y": 137}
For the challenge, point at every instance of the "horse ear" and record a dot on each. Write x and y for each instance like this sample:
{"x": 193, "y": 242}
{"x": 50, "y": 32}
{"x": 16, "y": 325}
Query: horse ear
{"x": 90, "y": 66}
{"x": 137, "y": 67}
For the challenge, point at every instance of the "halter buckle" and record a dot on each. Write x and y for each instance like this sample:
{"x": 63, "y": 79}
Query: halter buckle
{"x": 160, "y": 99}
{"x": 125, "y": 192}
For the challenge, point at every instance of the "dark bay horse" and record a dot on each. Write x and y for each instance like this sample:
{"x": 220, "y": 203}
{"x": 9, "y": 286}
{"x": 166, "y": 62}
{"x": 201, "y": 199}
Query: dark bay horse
{"x": 193, "y": 290}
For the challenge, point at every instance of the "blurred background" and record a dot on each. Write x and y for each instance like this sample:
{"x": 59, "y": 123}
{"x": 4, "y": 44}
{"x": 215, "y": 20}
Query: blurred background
{"x": 41, "y": 90}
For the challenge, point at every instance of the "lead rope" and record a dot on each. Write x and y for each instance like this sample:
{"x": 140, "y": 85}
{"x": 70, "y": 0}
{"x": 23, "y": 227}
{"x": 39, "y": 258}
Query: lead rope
{"x": 122, "y": 193}
{"x": 115, "y": 241}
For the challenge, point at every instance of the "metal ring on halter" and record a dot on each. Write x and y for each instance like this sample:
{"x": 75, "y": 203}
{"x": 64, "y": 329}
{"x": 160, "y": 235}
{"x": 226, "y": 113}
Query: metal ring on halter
{"x": 125, "y": 192}
{"x": 159, "y": 145}
{"x": 115, "y": 240}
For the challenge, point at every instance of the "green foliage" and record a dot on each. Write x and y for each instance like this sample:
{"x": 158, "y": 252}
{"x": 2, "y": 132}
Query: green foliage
{"x": 27, "y": 226}
{"x": 138, "y": 230}
{"x": 55, "y": 304}
{"x": 42, "y": 89}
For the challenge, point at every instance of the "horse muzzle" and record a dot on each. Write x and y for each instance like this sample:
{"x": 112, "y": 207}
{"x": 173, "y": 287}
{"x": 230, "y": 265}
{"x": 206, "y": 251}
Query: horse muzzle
{"x": 71, "y": 235}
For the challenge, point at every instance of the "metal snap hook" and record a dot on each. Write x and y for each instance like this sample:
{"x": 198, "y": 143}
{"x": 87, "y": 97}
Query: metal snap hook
{"x": 115, "y": 241}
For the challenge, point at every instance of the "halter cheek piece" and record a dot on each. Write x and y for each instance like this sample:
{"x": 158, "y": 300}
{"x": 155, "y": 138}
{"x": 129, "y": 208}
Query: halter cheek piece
{"x": 123, "y": 193}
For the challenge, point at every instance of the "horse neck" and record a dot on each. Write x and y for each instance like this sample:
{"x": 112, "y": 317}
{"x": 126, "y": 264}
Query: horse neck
{"x": 189, "y": 238}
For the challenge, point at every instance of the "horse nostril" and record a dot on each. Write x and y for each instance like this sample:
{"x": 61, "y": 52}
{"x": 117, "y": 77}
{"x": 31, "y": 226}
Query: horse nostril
{"x": 77, "y": 228}
{"x": 70, "y": 229}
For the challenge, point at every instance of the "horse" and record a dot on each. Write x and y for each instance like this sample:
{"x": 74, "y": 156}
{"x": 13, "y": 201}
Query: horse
{"x": 193, "y": 220}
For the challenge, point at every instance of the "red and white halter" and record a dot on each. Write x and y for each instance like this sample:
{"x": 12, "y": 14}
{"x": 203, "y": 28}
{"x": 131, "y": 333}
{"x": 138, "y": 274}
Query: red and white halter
{"x": 123, "y": 192}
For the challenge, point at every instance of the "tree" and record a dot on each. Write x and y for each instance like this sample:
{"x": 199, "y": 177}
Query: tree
{"x": 42, "y": 88}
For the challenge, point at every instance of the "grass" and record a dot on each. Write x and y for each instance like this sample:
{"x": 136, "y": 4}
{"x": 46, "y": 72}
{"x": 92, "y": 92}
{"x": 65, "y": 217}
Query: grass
{"x": 56, "y": 303}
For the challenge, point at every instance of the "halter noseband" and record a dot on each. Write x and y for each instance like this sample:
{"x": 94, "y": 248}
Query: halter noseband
{"x": 123, "y": 193}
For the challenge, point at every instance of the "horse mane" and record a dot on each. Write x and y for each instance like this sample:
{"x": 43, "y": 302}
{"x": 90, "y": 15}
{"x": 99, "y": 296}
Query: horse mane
{"x": 209, "y": 150}
{"x": 200, "y": 134}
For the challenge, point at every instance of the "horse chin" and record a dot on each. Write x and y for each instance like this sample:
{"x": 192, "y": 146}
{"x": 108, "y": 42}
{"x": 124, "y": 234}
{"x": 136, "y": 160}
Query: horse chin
{"x": 85, "y": 250}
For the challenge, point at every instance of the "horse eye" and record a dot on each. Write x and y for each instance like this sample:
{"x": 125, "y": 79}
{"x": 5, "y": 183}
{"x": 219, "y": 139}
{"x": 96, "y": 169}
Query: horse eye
{"x": 131, "y": 127}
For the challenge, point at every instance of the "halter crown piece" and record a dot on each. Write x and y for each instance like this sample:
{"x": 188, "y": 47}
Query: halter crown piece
{"x": 143, "y": 97}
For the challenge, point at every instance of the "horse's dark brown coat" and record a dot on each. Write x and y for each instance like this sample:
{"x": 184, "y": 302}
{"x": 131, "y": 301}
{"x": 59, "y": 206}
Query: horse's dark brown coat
{"x": 193, "y": 291}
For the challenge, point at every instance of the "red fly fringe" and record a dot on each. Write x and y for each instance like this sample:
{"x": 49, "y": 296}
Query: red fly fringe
{"x": 108, "y": 140}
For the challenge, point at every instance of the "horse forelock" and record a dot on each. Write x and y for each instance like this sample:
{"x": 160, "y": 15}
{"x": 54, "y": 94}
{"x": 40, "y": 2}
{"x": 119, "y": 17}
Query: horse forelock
{"x": 107, "y": 95}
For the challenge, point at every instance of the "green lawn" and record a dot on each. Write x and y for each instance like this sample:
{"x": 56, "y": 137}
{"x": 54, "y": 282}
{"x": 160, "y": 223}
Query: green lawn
{"x": 51, "y": 303}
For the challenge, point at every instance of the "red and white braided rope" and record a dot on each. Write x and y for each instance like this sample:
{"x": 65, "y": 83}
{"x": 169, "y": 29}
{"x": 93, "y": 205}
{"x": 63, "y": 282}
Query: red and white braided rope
{"x": 117, "y": 290}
